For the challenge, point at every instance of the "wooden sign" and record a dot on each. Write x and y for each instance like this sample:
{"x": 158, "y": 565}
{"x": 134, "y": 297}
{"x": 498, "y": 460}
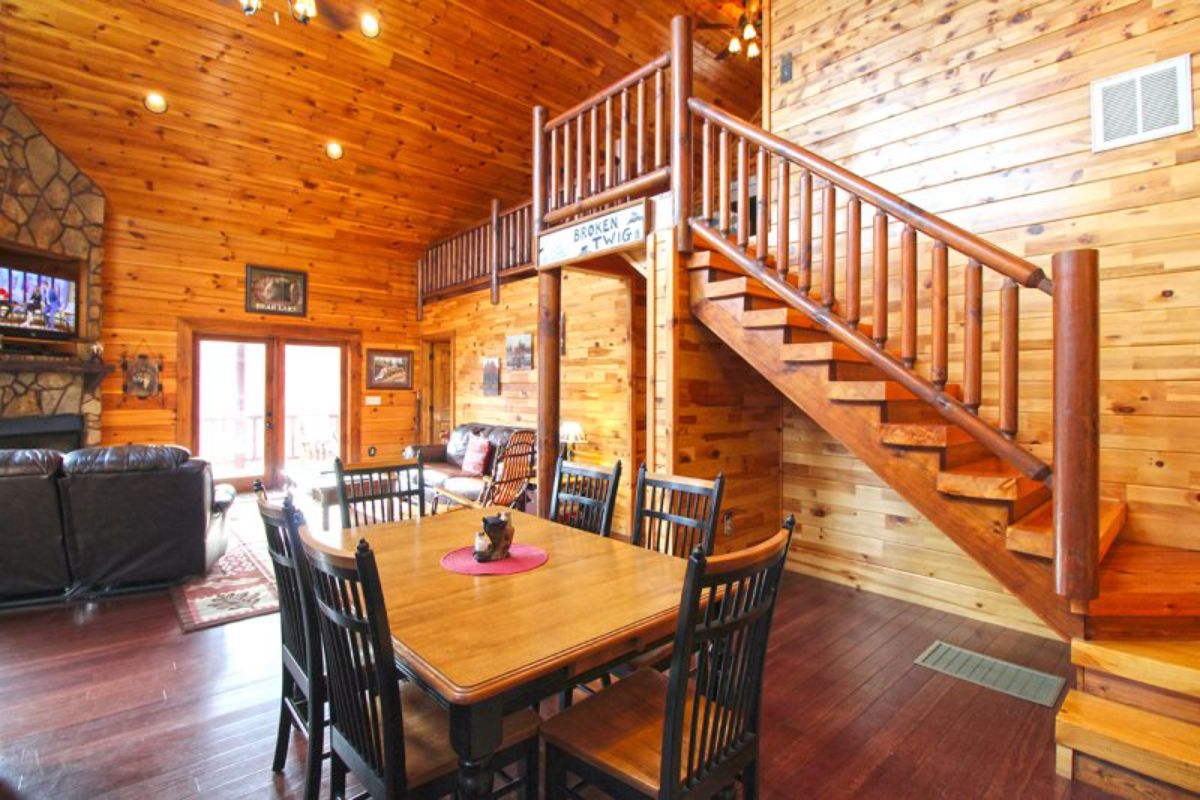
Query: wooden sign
{"x": 613, "y": 230}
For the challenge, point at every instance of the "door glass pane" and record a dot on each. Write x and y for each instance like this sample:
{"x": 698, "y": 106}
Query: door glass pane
{"x": 313, "y": 406}
{"x": 233, "y": 396}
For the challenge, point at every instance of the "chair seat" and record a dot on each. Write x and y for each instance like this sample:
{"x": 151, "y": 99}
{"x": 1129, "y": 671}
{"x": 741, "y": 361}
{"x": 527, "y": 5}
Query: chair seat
{"x": 467, "y": 486}
{"x": 427, "y": 751}
{"x": 618, "y": 730}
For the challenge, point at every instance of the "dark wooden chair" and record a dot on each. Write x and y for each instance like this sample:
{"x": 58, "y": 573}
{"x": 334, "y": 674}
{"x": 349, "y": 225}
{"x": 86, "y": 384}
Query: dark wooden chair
{"x": 694, "y": 733}
{"x": 369, "y": 495}
{"x": 373, "y": 715}
{"x": 508, "y": 484}
{"x": 584, "y": 497}
{"x": 674, "y": 515}
{"x": 302, "y": 703}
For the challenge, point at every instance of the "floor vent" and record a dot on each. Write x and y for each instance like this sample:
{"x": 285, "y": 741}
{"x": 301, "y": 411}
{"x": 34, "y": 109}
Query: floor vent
{"x": 992, "y": 673}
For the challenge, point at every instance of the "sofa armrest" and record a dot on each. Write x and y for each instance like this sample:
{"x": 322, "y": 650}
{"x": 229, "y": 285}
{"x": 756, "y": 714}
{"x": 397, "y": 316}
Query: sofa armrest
{"x": 431, "y": 452}
{"x": 223, "y": 497}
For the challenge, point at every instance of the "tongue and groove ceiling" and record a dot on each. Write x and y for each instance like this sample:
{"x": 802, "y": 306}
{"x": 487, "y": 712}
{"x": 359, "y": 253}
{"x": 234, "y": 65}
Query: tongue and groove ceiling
{"x": 434, "y": 114}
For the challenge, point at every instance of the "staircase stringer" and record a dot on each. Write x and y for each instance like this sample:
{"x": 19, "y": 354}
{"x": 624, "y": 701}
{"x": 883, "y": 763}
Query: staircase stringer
{"x": 978, "y": 527}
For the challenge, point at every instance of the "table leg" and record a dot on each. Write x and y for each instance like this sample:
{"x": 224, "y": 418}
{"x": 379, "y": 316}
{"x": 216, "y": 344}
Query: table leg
{"x": 475, "y": 733}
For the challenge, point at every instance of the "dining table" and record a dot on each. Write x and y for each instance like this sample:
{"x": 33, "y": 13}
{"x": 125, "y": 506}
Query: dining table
{"x": 486, "y": 645}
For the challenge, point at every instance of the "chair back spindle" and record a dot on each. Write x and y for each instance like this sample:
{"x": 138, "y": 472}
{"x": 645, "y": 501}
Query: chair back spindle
{"x": 675, "y": 514}
{"x": 584, "y": 497}
{"x": 373, "y": 494}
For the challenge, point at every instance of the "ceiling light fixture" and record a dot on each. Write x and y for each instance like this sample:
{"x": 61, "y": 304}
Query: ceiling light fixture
{"x": 334, "y": 150}
{"x": 155, "y": 103}
{"x": 749, "y": 31}
{"x": 303, "y": 10}
{"x": 735, "y": 45}
{"x": 752, "y": 50}
{"x": 369, "y": 25}
{"x": 251, "y": 7}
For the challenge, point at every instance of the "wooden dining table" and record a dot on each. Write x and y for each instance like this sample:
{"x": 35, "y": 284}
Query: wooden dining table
{"x": 487, "y": 645}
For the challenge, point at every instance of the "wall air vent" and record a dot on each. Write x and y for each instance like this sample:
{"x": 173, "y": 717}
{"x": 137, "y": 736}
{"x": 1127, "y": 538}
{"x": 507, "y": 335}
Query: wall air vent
{"x": 1143, "y": 104}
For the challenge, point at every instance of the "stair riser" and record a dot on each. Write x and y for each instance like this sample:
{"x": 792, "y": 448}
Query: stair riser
{"x": 1135, "y": 693}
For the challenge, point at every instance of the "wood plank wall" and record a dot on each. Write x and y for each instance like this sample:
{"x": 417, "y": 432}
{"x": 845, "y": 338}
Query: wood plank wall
{"x": 979, "y": 111}
{"x": 713, "y": 413}
{"x": 600, "y": 365}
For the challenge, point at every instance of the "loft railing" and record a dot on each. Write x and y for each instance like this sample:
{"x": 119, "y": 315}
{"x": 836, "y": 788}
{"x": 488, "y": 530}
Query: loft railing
{"x": 488, "y": 252}
{"x": 828, "y": 227}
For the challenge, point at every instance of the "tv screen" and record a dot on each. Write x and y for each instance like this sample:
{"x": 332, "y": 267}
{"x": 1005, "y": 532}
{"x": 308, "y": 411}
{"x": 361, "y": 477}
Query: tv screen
{"x": 37, "y": 304}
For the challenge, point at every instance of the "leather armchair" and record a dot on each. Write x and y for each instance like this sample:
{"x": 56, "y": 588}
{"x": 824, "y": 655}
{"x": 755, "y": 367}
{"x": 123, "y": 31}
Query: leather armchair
{"x": 140, "y": 514}
{"x": 34, "y": 558}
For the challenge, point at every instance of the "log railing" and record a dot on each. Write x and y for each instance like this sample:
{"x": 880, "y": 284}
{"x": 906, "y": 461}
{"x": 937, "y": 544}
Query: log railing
{"x": 488, "y": 252}
{"x": 810, "y": 248}
{"x": 610, "y": 147}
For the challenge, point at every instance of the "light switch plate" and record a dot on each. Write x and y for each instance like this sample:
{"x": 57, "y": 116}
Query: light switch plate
{"x": 374, "y": 400}
{"x": 785, "y": 68}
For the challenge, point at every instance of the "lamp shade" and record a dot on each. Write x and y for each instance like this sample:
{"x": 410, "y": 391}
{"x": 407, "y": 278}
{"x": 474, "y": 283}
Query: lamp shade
{"x": 571, "y": 433}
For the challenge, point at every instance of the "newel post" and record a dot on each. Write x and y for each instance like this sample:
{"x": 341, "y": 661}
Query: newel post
{"x": 494, "y": 251}
{"x": 549, "y": 313}
{"x": 1076, "y": 275}
{"x": 681, "y": 130}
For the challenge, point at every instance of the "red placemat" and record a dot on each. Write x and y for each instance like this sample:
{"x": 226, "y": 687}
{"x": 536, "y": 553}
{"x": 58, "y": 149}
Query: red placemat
{"x": 521, "y": 558}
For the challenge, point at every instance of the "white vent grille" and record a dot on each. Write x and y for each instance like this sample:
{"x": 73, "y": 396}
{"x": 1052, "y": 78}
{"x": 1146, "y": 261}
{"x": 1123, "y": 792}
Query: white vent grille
{"x": 1143, "y": 104}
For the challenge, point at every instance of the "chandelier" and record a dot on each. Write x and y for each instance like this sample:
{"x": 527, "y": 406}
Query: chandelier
{"x": 301, "y": 10}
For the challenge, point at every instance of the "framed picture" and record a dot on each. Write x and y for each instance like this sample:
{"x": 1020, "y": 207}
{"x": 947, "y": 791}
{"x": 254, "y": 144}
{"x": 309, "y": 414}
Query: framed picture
{"x": 389, "y": 369}
{"x": 270, "y": 290}
{"x": 518, "y": 351}
{"x": 491, "y": 377}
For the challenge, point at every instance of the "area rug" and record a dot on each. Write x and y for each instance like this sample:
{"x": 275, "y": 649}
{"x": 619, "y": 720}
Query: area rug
{"x": 239, "y": 586}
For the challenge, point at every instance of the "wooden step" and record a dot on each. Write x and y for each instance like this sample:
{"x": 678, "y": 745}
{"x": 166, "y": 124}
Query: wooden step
{"x": 1033, "y": 534}
{"x": 877, "y": 391}
{"x": 957, "y": 446}
{"x": 1146, "y": 580}
{"x": 1163, "y": 664}
{"x": 817, "y": 352}
{"x": 782, "y": 317}
{"x": 1141, "y": 741}
{"x": 711, "y": 259}
{"x": 738, "y": 287}
{"x": 993, "y": 479}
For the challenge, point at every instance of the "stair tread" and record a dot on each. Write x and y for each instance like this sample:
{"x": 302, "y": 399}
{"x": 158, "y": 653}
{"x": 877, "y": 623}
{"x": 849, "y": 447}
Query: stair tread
{"x": 807, "y": 352}
{"x": 1164, "y": 663}
{"x": 1148, "y": 580}
{"x": 990, "y": 478}
{"x": 877, "y": 391}
{"x": 923, "y": 434}
{"x": 734, "y": 287}
{"x": 1033, "y": 534}
{"x": 1151, "y": 744}
{"x": 781, "y": 317}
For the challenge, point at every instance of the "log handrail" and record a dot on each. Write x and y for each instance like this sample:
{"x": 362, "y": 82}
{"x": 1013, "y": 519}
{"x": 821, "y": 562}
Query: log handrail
{"x": 486, "y": 252}
{"x": 613, "y": 89}
{"x": 970, "y": 245}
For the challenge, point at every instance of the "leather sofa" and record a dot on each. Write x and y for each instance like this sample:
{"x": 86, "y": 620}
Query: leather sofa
{"x": 103, "y": 519}
{"x": 443, "y": 462}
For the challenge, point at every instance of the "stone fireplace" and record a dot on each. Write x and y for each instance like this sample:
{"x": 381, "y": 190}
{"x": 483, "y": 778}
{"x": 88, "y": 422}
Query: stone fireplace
{"x": 49, "y": 209}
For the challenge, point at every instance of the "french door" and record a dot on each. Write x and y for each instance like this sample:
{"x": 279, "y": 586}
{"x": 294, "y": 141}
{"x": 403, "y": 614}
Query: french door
{"x": 266, "y": 407}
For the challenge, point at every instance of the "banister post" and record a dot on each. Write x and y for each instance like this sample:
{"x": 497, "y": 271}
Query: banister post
{"x": 549, "y": 314}
{"x": 681, "y": 130}
{"x": 1076, "y": 425}
{"x": 494, "y": 250}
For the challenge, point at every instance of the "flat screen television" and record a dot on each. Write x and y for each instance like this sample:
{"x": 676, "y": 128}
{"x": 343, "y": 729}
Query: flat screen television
{"x": 37, "y": 304}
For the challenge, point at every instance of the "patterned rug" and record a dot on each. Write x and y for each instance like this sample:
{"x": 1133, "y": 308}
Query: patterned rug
{"x": 239, "y": 586}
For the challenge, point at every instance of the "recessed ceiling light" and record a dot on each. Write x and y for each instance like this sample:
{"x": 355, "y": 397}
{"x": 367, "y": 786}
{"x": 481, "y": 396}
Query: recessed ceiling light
{"x": 334, "y": 150}
{"x": 369, "y": 25}
{"x": 155, "y": 103}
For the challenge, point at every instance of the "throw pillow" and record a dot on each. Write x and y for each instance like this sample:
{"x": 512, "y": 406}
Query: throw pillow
{"x": 479, "y": 451}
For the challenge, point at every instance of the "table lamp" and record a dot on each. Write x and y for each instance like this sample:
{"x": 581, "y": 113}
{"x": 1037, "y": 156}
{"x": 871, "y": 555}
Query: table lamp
{"x": 571, "y": 434}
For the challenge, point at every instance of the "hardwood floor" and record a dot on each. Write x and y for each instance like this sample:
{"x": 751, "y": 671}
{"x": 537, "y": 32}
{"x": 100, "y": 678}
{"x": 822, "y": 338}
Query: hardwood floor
{"x": 112, "y": 701}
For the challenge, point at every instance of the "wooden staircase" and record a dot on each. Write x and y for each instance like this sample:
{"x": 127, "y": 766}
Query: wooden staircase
{"x": 773, "y": 305}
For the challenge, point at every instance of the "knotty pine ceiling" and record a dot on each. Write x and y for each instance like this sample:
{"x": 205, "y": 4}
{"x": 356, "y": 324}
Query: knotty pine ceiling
{"x": 434, "y": 114}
